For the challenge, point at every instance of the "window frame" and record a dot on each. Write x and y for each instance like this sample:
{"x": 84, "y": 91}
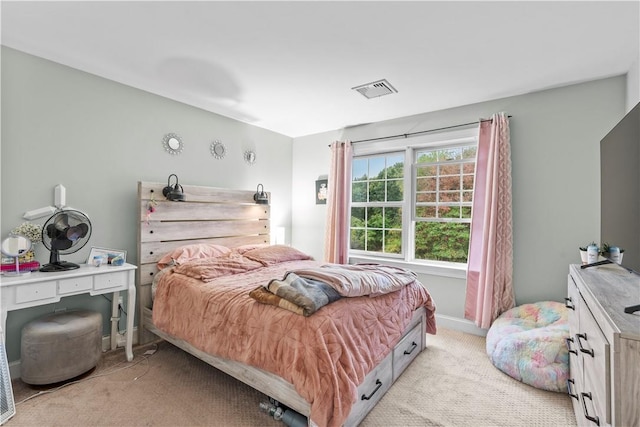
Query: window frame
{"x": 410, "y": 145}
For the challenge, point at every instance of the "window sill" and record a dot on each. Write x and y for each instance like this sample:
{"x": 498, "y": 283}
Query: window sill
{"x": 445, "y": 269}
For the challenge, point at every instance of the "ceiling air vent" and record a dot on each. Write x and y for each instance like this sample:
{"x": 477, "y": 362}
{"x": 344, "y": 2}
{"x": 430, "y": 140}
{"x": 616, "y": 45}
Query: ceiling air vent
{"x": 375, "y": 89}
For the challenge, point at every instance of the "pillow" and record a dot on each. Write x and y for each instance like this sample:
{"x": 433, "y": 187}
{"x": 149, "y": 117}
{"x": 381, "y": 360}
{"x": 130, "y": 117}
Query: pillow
{"x": 270, "y": 255}
{"x": 245, "y": 248}
{"x": 194, "y": 251}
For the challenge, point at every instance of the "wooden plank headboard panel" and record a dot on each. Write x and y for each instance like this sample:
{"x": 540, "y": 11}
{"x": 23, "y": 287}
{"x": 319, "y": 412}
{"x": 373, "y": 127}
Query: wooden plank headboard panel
{"x": 211, "y": 215}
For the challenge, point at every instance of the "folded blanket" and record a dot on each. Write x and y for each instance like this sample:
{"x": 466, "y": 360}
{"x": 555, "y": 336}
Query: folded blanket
{"x": 261, "y": 294}
{"x": 302, "y": 296}
{"x": 353, "y": 280}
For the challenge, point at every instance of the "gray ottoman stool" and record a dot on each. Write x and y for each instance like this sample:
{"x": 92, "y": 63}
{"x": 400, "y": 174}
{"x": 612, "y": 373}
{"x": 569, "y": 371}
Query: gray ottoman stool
{"x": 60, "y": 346}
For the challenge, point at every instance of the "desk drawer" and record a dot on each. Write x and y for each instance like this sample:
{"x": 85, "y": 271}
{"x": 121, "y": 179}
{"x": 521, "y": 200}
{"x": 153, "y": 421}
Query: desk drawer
{"x": 111, "y": 280}
{"x": 35, "y": 292}
{"x": 77, "y": 284}
{"x": 407, "y": 350}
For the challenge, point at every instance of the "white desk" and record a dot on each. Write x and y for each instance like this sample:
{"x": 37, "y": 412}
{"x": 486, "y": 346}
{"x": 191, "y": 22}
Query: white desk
{"x": 38, "y": 288}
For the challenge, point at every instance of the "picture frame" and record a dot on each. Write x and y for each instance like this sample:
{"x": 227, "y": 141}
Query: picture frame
{"x": 321, "y": 191}
{"x": 105, "y": 256}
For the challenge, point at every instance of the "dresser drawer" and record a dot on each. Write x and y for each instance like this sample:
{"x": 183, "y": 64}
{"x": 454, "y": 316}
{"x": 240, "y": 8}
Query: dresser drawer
{"x": 110, "y": 280}
{"x": 594, "y": 352}
{"x": 574, "y": 305}
{"x": 35, "y": 292}
{"x": 374, "y": 386}
{"x": 407, "y": 350}
{"x": 76, "y": 284}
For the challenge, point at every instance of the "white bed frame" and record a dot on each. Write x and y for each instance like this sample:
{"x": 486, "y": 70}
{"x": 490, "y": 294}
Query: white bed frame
{"x": 231, "y": 218}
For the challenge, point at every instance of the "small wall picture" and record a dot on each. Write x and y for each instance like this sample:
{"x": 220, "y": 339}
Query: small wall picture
{"x": 104, "y": 256}
{"x": 321, "y": 192}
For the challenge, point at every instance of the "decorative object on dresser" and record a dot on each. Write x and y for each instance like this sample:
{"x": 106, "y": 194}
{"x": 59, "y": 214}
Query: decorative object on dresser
{"x": 65, "y": 232}
{"x": 104, "y": 256}
{"x": 604, "y": 346}
{"x": 260, "y": 197}
{"x": 26, "y": 261}
{"x": 172, "y": 143}
{"x": 175, "y": 193}
{"x": 232, "y": 225}
{"x": 32, "y": 232}
{"x": 16, "y": 246}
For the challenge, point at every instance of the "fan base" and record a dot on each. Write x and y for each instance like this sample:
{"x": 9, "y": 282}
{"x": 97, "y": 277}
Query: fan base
{"x": 59, "y": 266}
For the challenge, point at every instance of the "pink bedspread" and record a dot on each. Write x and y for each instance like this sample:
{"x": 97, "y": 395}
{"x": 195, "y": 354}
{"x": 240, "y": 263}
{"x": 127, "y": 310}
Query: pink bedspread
{"x": 325, "y": 356}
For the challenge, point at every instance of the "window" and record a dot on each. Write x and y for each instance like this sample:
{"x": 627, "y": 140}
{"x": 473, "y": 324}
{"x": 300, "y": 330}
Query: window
{"x": 377, "y": 194}
{"x": 443, "y": 194}
{"x": 413, "y": 202}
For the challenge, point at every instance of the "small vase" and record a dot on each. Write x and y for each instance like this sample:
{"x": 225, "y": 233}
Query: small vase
{"x": 583, "y": 257}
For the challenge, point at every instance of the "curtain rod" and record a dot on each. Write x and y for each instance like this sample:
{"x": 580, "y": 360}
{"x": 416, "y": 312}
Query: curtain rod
{"x": 406, "y": 135}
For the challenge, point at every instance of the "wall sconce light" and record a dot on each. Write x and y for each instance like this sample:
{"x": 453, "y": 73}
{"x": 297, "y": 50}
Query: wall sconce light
{"x": 261, "y": 197}
{"x": 175, "y": 193}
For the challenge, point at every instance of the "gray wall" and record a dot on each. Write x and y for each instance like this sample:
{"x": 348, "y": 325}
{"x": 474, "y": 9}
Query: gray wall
{"x": 555, "y": 137}
{"x": 99, "y": 138}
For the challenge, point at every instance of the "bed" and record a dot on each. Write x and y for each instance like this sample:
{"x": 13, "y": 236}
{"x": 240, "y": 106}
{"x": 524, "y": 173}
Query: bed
{"x": 332, "y": 366}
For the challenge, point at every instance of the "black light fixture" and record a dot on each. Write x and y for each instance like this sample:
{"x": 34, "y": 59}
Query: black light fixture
{"x": 175, "y": 193}
{"x": 261, "y": 197}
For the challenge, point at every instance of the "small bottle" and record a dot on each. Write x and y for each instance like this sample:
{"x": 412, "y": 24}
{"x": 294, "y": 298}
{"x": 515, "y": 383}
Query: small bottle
{"x": 614, "y": 254}
{"x": 592, "y": 254}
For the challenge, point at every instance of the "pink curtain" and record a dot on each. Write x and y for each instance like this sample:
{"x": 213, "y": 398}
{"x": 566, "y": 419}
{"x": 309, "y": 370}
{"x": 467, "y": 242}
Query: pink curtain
{"x": 490, "y": 264}
{"x": 336, "y": 237}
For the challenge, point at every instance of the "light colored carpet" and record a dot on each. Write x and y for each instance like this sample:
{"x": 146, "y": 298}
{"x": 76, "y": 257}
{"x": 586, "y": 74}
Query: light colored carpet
{"x": 452, "y": 383}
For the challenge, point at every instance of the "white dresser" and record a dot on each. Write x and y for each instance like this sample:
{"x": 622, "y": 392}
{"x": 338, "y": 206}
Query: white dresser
{"x": 604, "y": 346}
{"x": 38, "y": 288}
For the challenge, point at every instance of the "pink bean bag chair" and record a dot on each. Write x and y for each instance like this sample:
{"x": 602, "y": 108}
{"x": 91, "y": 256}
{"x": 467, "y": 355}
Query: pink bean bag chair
{"x": 528, "y": 343}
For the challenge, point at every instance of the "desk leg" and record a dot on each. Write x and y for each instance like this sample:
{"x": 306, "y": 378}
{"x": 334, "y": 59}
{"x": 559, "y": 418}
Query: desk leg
{"x": 115, "y": 316}
{"x": 131, "y": 311}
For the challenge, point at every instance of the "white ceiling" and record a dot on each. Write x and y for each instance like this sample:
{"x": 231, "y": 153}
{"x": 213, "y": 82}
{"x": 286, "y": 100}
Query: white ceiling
{"x": 290, "y": 66}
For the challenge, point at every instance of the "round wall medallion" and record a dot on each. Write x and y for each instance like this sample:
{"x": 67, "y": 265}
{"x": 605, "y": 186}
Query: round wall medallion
{"x": 218, "y": 150}
{"x": 172, "y": 143}
{"x": 250, "y": 157}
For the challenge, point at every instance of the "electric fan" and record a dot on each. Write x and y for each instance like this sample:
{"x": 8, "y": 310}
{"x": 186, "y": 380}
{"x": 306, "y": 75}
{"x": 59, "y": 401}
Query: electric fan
{"x": 65, "y": 232}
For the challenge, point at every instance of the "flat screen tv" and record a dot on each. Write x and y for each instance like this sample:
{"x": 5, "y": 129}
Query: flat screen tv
{"x": 620, "y": 188}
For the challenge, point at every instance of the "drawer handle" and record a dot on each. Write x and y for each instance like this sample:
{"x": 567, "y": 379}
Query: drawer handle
{"x": 570, "y": 384}
{"x": 378, "y": 385}
{"x": 568, "y": 302}
{"x": 569, "y": 341}
{"x": 413, "y": 347}
{"x": 584, "y": 408}
{"x": 582, "y": 349}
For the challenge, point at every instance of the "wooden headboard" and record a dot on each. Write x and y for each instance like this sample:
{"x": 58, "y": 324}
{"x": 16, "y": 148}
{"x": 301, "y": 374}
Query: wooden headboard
{"x": 209, "y": 215}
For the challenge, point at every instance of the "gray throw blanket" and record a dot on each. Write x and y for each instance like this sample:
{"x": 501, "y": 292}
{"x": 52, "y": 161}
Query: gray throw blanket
{"x": 308, "y": 294}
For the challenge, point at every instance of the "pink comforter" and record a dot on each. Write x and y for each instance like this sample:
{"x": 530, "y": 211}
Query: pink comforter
{"x": 325, "y": 356}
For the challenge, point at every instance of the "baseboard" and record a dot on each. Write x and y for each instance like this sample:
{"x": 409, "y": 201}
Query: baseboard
{"x": 14, "y": 367}
{"x": 457, "y": 324}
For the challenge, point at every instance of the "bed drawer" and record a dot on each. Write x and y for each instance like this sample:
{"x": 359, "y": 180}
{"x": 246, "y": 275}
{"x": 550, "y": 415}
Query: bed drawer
{"x": 374, "y": 386}
{"x": 407, "y": 350}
